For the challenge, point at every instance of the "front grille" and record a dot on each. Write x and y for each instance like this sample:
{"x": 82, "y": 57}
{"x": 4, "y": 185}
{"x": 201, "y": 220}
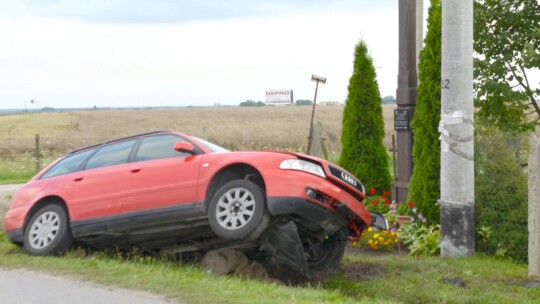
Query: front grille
{"x": 346, "y": 178}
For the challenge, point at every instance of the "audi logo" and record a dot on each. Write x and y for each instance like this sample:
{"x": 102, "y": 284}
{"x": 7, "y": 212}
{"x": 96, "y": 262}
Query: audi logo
{"x": 349, "y": 179}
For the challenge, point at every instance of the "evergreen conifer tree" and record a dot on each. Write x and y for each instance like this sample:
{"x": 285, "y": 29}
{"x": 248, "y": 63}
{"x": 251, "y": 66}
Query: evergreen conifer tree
{"x": 424, "y": 188}
{"x": 363, "y": 152}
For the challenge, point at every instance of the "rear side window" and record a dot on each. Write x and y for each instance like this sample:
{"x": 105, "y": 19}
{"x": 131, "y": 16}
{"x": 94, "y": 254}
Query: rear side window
{"x": 111, "y": 154}
{"x": 159, "y": 147}
{"x": 69, "y": 164}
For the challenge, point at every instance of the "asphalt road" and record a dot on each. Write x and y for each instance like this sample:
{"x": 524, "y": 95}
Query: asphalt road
{"x": 8, "y": 189}
{"x": 19, "y": 286}
{"x": 24, "y": 286}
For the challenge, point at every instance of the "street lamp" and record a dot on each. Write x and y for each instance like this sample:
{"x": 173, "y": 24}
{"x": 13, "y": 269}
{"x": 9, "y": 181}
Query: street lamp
{"x": 317, "y": 79}
{"x": 31, "y": 102}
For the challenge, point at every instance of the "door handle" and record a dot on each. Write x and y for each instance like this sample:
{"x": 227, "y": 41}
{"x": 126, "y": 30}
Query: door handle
{"x": 78, "y": 179}
{"x": 135, "y": 170}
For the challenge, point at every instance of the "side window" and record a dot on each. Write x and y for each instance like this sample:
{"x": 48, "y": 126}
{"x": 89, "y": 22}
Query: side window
{"x": 158, "y": 147}
{"x": 69, "y": 164}
{"x": 112, "y": 154}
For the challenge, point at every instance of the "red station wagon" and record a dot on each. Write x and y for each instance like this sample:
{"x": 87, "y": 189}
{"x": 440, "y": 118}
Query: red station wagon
{"x": 168, "y": 192}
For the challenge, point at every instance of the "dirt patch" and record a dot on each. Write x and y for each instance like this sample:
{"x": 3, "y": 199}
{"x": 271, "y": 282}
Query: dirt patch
{"x": 4, "y": 200}
{"x": 362, "y": 271}
{"x": 4, "y": 203}
{"x": 232, "y": 262}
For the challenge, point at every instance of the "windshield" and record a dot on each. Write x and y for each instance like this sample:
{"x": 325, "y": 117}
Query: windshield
{"x": 212, "y": 147}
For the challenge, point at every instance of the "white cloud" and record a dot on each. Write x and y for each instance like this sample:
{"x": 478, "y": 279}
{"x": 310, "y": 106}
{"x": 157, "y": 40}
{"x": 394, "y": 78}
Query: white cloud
{"x": 68, "y": 62}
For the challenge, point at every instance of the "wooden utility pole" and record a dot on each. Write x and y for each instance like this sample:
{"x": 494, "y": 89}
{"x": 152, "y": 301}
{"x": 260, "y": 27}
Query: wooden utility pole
{"x": 317, "y": 79}
{"x": 37, "y": 153}
{"x": 405, "y": 98}
{"x": 457, "y": 130}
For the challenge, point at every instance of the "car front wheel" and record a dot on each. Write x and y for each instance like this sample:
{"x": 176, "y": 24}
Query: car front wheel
{"x": 48, "y": 231}
{"x": 327, "y": 254}
{"x": 237, "y": 211}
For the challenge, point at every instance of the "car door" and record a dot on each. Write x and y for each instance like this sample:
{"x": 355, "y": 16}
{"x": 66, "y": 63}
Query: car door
{"x": 98, "y": 190}
{"x": 160, "y": 176}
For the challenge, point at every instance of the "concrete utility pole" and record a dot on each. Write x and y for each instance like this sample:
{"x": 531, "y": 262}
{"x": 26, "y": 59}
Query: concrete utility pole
{"x": 534, "y": 206}
{"x": 405, "y": 98}
{"x": 457, "y": 130}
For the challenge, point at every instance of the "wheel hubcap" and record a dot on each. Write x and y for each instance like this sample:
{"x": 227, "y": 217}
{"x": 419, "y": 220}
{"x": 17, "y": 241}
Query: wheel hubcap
{"x": 235, "y": 208}
{"x": 44, "y": 230}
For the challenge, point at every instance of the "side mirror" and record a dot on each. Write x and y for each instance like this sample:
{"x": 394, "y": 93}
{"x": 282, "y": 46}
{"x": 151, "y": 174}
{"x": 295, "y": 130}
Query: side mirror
{"x": 184, "y": 146}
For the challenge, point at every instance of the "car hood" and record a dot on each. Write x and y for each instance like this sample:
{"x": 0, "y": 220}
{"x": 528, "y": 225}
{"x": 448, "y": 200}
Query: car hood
{"x": 333, "y": 171}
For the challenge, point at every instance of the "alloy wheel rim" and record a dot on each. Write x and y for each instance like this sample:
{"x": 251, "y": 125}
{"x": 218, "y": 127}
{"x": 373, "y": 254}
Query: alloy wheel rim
{"x": 44, "y": 230}
{"x": 235, "y": 208}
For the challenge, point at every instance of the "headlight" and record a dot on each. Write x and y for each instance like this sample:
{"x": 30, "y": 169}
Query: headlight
{"x": 302, "y": 165}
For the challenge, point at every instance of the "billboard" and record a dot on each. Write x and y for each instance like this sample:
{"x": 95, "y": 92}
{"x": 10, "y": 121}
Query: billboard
{"x": 279, "y": 97}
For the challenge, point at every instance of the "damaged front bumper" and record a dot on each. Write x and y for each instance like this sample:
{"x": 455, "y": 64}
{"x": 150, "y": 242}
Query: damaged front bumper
{"x": 283, "y": 242}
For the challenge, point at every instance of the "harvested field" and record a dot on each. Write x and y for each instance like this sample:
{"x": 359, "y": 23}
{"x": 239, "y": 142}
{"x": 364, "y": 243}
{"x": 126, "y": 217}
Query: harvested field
{"x": 237, "y": 128}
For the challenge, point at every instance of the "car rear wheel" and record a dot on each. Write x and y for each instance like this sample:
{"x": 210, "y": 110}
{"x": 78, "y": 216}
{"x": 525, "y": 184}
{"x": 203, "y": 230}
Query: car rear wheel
{"x": 327, "y": 254}
{"x": 48, "y": 231}
{"x": 237, "y": 211}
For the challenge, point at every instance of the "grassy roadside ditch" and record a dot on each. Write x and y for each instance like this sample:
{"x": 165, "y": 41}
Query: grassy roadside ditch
{"x": 364, "y": 277}
{"x": 373, "y": 279}
{"x": 385, "y": 278}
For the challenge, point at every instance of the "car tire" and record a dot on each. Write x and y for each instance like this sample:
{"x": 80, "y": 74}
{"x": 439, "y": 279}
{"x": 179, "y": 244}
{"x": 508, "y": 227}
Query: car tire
{"x": 237, "y": 211}
{"x": 48, "y": 231}
{"x": 329, "y": 253}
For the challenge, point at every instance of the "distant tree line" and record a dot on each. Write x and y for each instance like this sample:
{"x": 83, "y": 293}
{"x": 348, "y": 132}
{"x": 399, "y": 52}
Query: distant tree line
{"x": 388, "y": 99}
{"x": 303, "y": 102}
{"x": 251, "y": 103}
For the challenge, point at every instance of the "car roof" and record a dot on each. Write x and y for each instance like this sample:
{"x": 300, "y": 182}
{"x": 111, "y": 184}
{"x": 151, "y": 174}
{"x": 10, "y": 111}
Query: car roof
{"x": 118, "y": 140}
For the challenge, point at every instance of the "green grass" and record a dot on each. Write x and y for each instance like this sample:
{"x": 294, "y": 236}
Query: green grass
{"x": 364, "y": 277}
{"x": 420, "y": 280}
{"x": 21, "y": 167}
{"x": 176, "y": 281}
{"x": 383, "y": 278}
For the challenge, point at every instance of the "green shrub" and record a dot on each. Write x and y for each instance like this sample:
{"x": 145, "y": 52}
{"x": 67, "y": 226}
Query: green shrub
{"x": 424, "y": 188}
{"x": 501, "y": 197}
{"x": 421, "y": 239}
{"x": 363, "y": 152}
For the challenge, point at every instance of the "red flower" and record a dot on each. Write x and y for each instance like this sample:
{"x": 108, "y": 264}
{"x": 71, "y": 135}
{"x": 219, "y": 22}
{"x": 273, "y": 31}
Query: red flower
{"x": 383, "y": 197}
{"x": 387, "y": 202}
{"x": 372, "y": 191}
{"x": 386, "y": 193}
{"x": 374, "y": 202}
{"x": 410, "y": 204}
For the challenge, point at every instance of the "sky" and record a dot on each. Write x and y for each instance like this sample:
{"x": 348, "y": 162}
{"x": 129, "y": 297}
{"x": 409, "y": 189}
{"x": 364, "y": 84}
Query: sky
{"x": 138, "y": 53}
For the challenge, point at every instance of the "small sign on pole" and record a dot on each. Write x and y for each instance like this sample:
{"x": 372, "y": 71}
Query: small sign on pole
{"x": 401, "y": 120}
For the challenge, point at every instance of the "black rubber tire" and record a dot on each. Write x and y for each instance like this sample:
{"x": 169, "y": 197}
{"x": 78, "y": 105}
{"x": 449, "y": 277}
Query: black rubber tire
{"x": 329, "y": 253}
{"x": 255, "y": 224}
{"x": 60, "y": 241}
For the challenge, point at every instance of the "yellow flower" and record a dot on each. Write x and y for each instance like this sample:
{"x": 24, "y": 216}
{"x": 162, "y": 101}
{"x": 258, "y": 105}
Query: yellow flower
{"x": 376, "y": 235}
{"x": 369, "y": 229}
